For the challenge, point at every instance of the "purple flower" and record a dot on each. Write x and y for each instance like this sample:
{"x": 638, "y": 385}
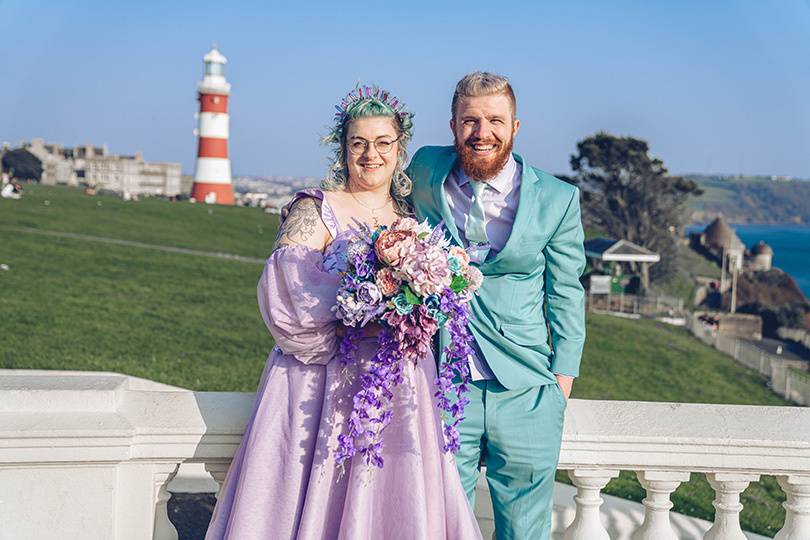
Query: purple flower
{"x": 368, "y": 293}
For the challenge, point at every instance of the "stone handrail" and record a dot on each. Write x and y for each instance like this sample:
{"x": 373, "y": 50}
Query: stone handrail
{"x": 89, "y": 455}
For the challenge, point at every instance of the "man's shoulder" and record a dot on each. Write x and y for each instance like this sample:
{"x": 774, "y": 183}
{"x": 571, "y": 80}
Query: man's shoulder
{"x": 428, "y": 155}
{"x": 553, "y": 186}
{"x": 424, "y": 163}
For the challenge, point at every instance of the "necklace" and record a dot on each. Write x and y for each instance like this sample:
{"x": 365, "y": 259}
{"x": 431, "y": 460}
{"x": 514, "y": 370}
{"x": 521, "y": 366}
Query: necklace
{"x": 367, "y": 207}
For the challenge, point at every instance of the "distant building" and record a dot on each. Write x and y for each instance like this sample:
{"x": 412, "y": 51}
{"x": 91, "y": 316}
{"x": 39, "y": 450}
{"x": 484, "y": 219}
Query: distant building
{"x": 722, "y": 242}
{"x": 56, "y": 167}
{"x": 761, "y": 257}
{"x": 609, "y": 255}
{"x": 95, "y": 167}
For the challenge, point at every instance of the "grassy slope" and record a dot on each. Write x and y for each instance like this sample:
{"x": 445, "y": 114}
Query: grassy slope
{"x": 243, "y": 231}
{"x": 684, "y": 284}
{"x": 182, "y": 320}
{"x": 192, "y": 321}
{"x": 753, "y": 200}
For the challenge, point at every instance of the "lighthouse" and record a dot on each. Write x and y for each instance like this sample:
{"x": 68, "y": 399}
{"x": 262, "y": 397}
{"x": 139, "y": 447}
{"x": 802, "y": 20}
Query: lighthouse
{"x": 212, "y": 177}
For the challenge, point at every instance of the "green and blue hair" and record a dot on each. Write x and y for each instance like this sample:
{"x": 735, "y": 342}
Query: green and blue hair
{"x": 368, "y": 102}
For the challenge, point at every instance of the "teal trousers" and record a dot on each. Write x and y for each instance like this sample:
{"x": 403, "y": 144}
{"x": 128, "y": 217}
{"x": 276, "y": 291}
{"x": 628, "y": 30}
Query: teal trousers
{"x": 519, "y": 432}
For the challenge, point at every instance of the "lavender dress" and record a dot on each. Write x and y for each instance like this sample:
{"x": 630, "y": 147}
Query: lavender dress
{"x": 283, "y": 482}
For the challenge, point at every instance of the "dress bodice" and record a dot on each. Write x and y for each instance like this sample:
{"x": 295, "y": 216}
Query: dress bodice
{"x": 335, "y": 258}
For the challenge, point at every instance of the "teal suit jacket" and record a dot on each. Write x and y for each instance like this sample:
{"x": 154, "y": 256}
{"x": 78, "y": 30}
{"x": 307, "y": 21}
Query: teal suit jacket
{"x": 534, "y": 279}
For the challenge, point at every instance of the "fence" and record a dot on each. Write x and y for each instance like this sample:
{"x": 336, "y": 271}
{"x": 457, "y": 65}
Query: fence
{"x": 797, "y": 386}
{"x": 635, "y": 304}
{"x": 788, "y": 378}
{"x": 795, "y": 334}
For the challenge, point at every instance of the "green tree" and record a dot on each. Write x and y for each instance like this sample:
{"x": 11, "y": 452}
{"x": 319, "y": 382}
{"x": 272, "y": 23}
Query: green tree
{"x": 631, "y": 195}
{"x": 22, "y": 164}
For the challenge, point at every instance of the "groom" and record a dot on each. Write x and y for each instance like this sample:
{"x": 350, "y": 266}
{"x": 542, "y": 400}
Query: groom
{"x": 523, "y": 229}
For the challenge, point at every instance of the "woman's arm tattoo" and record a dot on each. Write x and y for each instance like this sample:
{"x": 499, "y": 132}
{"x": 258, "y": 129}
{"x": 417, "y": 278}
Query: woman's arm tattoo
{"x": 301, "y": 224}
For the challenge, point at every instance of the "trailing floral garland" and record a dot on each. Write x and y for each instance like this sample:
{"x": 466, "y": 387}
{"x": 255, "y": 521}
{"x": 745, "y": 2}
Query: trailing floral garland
{"x": 411, "y": 281}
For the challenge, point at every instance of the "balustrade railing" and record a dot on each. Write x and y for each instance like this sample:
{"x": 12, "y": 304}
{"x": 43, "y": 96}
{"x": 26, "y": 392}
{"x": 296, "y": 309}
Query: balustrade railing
{"x": 109, "y": 445}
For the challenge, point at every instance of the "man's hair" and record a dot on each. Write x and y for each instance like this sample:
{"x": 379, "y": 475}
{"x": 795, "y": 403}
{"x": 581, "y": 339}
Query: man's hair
{"x": 481, "y": 83}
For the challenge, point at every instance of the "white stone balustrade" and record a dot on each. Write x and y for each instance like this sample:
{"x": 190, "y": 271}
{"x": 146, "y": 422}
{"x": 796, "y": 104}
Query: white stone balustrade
{"x": 89, "y": 455}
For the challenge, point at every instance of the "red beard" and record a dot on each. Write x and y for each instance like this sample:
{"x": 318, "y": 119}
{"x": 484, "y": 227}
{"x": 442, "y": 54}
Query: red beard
{"x": 487, "y": 168}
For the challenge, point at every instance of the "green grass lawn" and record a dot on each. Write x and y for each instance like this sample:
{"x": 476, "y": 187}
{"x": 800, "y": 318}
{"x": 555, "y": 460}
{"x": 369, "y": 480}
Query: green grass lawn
{"x": 179, "y": 319}
{"x": 683, "y": 283}
{"x": 192, "y": 321}
{"x": 242, "y": 231}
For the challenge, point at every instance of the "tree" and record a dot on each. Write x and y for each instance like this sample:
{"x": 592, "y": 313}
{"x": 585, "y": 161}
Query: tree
{"x": 22, "y": 164}
{"x": 629, "y": 194}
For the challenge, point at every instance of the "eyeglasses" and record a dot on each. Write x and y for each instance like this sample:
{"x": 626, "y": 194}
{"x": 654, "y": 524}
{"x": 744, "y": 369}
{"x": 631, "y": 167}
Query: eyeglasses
{"x": 359, "y": 146}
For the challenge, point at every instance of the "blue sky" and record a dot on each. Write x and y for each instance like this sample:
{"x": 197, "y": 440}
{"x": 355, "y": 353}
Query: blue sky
{"x": 716, "y": 86}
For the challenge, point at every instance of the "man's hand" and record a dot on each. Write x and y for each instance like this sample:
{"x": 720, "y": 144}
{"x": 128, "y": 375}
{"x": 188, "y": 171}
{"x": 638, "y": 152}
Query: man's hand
{"x": 566, "y": 383}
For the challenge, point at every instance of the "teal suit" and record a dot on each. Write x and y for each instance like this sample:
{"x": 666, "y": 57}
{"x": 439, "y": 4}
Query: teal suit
{"x": 530, "y": 287}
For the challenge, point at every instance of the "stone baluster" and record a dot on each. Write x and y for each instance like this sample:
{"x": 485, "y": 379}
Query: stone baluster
{"x": 727, "y": 488}
{"x": 587, "y": 524}
{"x": 218, "y": 470}
{"x": 659, "y": 486}
{"x": 163, "y": 473}
{"x": 797, "y": 507}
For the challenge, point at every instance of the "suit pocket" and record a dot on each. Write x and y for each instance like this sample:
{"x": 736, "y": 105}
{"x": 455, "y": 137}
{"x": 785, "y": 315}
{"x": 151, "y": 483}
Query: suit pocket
{"x": 528, "y": 335}
{"x": 562, "y": 397}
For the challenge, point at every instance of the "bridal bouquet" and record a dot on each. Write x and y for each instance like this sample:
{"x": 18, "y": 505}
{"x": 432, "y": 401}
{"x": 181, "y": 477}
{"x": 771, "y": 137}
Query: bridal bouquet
{"x": 410, "y": 280}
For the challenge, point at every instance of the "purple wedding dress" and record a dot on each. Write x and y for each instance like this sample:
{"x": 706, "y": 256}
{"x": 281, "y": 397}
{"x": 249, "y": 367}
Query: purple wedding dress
{"x": 283, "y": 482}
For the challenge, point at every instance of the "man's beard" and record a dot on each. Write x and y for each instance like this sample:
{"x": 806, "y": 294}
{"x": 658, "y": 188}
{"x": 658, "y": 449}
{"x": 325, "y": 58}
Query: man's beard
{"x": 479, "y": 168}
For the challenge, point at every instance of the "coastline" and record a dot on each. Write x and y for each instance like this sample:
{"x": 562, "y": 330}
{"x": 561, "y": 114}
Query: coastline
{"x": 789, "y": 241}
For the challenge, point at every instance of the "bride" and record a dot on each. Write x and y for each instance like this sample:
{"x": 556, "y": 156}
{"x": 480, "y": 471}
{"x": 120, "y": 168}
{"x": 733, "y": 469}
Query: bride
{"x": 284, "y": 482}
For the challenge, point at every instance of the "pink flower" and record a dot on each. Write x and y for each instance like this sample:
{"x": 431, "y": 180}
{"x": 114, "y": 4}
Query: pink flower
{"x": 386, "y": 282}
{"x": 460, "y": 254}
{"x": 391, "y": 246}
{"x": 405, "y": 224}
{"x": 474, "y": 277}
{"x": 426, "y": 269}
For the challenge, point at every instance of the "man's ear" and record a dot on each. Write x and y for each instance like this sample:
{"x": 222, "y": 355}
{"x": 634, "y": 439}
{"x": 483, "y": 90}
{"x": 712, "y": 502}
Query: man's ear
{"x": 453, "y": 125}
{"x": 515, "y": 127}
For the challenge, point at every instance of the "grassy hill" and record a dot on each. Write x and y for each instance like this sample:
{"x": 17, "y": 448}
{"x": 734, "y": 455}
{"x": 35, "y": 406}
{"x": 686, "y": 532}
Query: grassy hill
{"x": 192, "y": 321}
{"x": 752, "y": 200}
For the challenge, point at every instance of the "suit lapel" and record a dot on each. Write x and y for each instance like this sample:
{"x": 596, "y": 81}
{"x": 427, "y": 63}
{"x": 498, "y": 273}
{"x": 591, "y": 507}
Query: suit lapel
{"x": 526, "y": 210}
{"x": 440, "y": 173}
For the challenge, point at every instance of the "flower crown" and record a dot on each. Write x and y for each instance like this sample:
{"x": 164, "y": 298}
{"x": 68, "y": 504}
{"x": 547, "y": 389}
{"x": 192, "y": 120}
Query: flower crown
{"x": 362, "y": 93}
{"x": 365, "y": 93}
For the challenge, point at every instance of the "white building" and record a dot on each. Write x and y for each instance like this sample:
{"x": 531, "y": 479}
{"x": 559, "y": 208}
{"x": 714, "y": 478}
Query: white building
{"x": 95, "y": 167}
{"x": 56, "y": 167}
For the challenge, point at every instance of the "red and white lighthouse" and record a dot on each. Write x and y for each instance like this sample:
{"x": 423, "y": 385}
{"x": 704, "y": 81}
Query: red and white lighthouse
{"x": 212, "y": 177}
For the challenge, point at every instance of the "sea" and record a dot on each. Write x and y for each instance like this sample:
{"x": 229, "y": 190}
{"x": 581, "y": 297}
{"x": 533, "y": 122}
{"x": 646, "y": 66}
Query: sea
{"x": 791, "y": 248}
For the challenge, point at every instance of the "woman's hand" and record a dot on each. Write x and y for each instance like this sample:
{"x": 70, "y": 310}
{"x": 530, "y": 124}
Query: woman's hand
{"x": 372, "y": 330}
{"x": 369, "y": 330}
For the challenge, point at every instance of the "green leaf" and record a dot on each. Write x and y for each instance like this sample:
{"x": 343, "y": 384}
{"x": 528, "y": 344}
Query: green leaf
{"x": 411, "y": 296}
{"x": 458, "y": 284}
